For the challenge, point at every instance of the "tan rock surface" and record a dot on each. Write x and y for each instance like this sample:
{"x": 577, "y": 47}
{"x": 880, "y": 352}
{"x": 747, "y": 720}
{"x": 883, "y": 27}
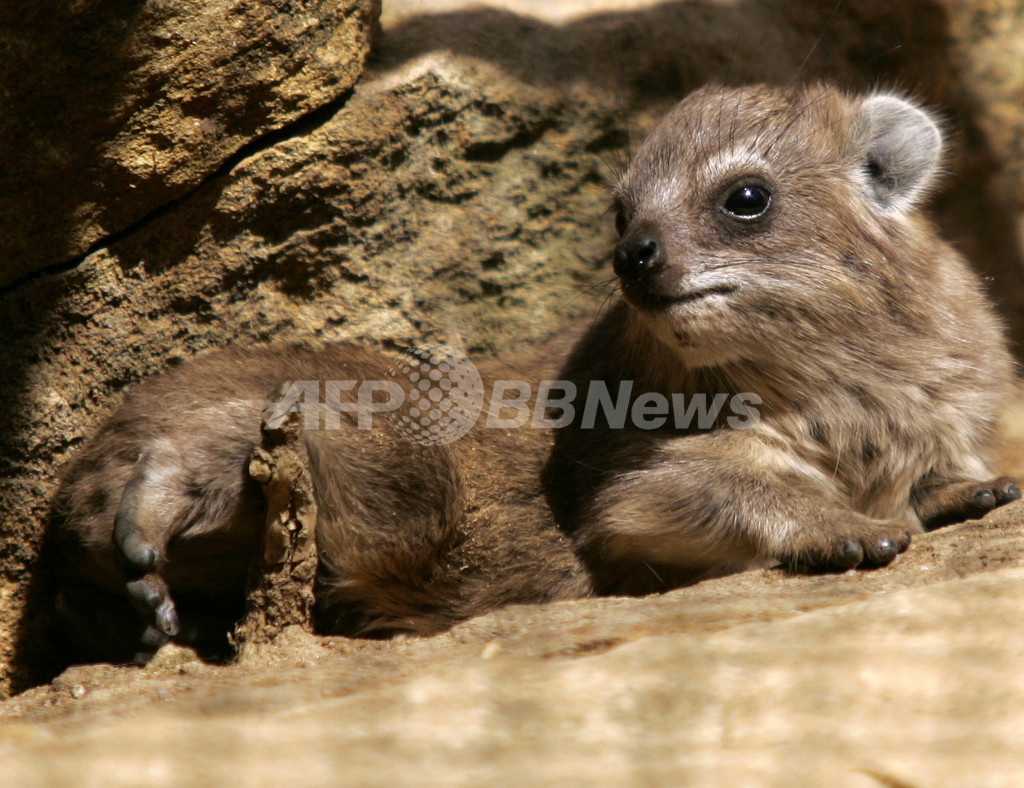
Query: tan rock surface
{"x": 113, "y": 109}
{"x": 904, "y": 676}
{"x": 986, "y": 53}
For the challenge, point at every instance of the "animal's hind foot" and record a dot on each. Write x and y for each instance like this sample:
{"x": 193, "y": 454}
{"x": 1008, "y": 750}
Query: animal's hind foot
{"x": 101, "y": 626}
{"x": 137, "y": 559}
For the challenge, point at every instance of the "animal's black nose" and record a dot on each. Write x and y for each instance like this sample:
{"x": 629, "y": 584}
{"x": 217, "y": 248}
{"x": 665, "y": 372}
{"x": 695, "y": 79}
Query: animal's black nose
{"x": 638, "y": 257}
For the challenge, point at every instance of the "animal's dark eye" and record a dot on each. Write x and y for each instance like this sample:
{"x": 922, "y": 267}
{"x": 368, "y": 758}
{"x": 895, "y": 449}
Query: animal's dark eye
{"x": 747, "y": 202}
{"x": 621, "y": 222}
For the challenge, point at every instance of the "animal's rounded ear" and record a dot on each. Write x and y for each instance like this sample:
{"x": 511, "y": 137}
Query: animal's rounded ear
{"x": 899, "y": 146}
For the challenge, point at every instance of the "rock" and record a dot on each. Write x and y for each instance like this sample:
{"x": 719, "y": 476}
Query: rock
{"x": 986, "y": 44}
{"x": 115, "y": 109}
{"x": 907, "y": 675}
{"x": 280, "y": 588}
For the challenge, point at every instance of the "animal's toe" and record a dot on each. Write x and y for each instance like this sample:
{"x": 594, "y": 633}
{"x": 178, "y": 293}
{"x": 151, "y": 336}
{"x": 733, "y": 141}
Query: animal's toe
{"x": 151, "y": 596}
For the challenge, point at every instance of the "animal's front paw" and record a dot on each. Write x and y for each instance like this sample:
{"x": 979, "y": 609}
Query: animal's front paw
{"x": 953, "y": 502}
{"x": 863, "y": 543}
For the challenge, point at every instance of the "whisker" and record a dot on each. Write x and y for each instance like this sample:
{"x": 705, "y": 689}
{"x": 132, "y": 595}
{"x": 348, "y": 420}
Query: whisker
{"x": 814, "y": 46}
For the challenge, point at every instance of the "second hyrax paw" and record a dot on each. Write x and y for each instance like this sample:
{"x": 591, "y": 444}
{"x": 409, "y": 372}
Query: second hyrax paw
{"x": 873, "y": 544}
{"x": 940, "y": 505}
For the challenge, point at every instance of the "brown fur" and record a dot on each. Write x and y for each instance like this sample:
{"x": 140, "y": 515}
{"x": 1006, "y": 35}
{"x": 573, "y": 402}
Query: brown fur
{"x": 879, "y": 365}
{"x": 879, "y": 362}
{"x": 411, "y": 537}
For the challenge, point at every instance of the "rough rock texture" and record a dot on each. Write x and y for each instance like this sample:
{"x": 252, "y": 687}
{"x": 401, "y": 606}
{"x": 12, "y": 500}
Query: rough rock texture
{"x": 458, "y": 194}
{"x": 280, "y": 588}
{"x": 987, "y": 52}
{"x": 901, "y": 677}
{"x": 988, "y": 44}
{"x": 111, "y": 109}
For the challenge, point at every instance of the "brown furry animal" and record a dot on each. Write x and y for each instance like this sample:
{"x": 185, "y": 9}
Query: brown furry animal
{"x": 773, "y": 258}
{"x": 772, "y": 243}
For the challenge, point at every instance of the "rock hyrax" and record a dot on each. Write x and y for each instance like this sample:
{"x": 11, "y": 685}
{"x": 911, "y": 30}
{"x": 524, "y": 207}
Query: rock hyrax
{"x": 799, "y": 372}
{"x": 772, "y": 243}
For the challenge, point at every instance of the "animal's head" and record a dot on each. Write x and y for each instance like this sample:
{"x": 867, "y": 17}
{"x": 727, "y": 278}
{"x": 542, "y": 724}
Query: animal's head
{"x": 755, "y": 216}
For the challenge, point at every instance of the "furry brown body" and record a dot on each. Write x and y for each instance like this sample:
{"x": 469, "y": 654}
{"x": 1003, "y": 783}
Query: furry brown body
{"x": 411, "y": 537}
{"x": 771, "y": 245}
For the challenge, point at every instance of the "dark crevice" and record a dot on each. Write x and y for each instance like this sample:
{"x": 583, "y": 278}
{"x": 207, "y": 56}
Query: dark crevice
{"x": 493, "y": 150}
{"x": 304, "y": 125}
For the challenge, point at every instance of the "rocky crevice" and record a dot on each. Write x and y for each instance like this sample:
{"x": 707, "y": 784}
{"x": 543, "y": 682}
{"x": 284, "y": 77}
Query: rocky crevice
{"x": 302, "y": 125}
